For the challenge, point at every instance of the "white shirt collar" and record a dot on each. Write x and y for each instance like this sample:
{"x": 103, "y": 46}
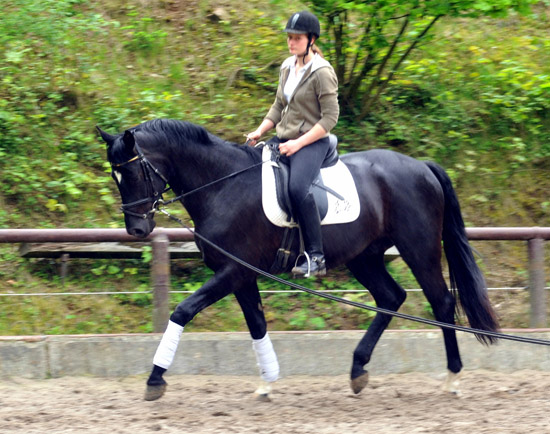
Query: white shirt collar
{"x": 294, "y": 77}
{"x": 305, "y": 67}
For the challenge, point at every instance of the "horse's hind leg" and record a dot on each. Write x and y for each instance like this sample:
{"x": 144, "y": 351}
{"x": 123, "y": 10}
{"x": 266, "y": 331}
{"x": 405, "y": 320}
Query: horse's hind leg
{"x": 371, "y": 272}
{"x": 251, "y": 305}
{"x": 426, "y": 267}
{"x": 431, "y": 280}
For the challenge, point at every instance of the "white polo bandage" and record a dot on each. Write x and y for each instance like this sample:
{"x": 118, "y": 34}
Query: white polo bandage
{"x": 168, "y": 345}
{"x": 266, "y": 358}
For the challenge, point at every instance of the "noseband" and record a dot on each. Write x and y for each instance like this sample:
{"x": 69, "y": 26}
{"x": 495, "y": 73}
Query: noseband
{"x": 155, "y": 197}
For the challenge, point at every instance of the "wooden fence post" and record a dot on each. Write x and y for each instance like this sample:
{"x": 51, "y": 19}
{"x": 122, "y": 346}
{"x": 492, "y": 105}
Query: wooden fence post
{"x": 537, "y": 285}
{"x": 160, "y": 277}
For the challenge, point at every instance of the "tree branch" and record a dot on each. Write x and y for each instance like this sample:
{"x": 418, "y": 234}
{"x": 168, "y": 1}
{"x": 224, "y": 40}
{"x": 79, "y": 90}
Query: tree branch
{"x": 384, "y": 84}
{"x": 377, "y": 79}
{"x": 368, "y": 63}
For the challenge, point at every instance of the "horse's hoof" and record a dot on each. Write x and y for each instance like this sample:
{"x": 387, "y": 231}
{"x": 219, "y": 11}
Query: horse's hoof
{"x": 359, "y": 383}
{"x": 154, "y": 392}
{"x": 264, "y": 397}
{"x": 263, "y": 391}
{"x": 452, "y": 383}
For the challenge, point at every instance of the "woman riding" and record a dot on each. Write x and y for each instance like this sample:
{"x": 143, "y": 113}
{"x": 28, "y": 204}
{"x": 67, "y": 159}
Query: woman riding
{"x": 305, "y": 110}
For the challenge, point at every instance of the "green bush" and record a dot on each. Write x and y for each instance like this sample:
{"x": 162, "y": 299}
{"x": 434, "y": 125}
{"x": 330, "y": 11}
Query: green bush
{"x": 474, "y": 98}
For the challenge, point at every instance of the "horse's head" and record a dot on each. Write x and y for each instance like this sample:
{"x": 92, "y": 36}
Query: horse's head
{"x": 139, "y": 182}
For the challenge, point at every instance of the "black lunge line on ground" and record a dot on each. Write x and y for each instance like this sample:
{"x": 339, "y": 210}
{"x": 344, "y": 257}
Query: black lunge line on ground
{"x": 361, "y": 305}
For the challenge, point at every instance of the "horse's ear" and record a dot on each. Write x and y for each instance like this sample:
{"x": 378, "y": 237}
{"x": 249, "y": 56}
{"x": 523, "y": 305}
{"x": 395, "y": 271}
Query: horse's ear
{"x": 105, "y": 136}
{"x": 129, "y": 140}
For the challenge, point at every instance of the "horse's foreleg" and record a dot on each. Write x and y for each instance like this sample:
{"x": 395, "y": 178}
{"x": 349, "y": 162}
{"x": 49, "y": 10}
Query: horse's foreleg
{"x": 267, "y": 363}
{"x": 156, "y": 386}
{"x": 251, "y": 305}
{"x": 213, "y": 290}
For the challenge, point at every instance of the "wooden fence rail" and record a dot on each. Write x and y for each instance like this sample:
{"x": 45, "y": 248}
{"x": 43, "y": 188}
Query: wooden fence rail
{"x": 161, "y": 238}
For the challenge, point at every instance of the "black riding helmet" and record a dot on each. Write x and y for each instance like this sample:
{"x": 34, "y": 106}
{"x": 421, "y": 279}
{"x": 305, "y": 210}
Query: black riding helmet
{"x": 304, "y": 22}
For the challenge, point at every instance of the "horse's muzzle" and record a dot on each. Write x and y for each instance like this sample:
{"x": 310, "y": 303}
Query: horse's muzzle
{"x": 140, "y": 228}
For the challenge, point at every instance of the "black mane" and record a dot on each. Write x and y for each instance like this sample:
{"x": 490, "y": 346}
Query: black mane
{"x": 175, "y": 131}
{"x": 172, "y": 132}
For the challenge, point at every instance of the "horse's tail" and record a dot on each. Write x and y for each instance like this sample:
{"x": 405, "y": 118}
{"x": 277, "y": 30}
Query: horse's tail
{"x": 465, "y": 276}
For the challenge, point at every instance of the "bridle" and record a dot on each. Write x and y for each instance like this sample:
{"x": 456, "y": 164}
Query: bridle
{"x": 155, "y": 197}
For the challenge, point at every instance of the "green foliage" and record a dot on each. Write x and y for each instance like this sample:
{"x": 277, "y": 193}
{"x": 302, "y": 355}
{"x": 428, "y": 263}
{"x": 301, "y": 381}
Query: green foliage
{"x": 147, "y": 254}
{"x": 80, "y": 64}
{"x": 141, "y": 38}
{"x": 371, "y": 40}
{"x": 472, "y": 94}
{"x": 53, "y": 163}
{"x": 67, "y": 65}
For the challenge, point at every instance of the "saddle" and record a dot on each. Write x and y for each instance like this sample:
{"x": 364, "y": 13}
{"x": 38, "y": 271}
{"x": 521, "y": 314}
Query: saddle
{"x": 281, "y": 173}
{"x": 333, "y": 189}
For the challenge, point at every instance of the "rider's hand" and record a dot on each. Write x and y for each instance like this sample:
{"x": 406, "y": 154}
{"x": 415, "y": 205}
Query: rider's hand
{"x": 253, "y": 137}
{"x": 289, "y": 147}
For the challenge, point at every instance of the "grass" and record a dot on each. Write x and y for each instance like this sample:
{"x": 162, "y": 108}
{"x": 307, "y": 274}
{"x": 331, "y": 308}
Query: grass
{"x": 132, "y": 313}
{"x": 474, "y": 99}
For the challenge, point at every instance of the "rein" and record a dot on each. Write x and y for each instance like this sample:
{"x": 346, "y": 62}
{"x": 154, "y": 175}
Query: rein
{"x": 223, "y": 178}
{"x": 157, "y": 200}
{"x": 156, "y": 197}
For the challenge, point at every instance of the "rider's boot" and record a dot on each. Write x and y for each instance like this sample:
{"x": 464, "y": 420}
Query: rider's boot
{"x": 312, "y": 263}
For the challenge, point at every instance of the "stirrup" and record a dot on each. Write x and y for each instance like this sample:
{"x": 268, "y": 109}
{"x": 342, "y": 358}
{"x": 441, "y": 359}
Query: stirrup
{"x": 300, "y": 271}
{"x": 297, "y": 270}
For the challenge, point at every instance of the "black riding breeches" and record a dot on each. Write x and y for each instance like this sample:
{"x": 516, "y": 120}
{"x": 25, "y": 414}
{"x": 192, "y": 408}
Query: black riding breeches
{"x": 304, "y": 168}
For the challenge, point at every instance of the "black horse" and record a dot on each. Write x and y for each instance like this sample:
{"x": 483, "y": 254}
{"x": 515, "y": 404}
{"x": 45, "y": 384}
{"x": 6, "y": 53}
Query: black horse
{"x": 405, "y": 203}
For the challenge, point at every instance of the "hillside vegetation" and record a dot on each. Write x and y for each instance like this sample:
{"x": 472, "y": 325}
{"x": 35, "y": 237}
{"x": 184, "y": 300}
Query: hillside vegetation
{"x": 475, "y": 98}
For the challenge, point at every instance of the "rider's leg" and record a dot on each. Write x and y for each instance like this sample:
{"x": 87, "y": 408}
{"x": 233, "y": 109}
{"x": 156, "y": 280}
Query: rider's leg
{"x": 304, "y": 168}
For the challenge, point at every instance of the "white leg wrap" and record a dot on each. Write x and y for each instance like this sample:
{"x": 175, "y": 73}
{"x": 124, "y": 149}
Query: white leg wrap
{"x": 168, "y": 345}
{"x": 266, "y": 358}
{"x": 452, "y": 383}
{"x": 263, "y": 389}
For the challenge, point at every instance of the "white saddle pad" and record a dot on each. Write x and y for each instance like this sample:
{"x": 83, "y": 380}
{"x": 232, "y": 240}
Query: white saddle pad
{"x": 337, "y": 178}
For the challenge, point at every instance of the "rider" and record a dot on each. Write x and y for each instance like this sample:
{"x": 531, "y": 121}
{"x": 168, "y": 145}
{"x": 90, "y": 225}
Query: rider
{"x": 305, "y": 110}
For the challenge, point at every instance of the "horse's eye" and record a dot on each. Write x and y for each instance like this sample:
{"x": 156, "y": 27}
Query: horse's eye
{"x": 117, "y": 176}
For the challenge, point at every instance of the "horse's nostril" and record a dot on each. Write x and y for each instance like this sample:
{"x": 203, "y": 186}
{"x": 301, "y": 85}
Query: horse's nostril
{"x": 136, "y": 232}
{"x": 141, "y": 228}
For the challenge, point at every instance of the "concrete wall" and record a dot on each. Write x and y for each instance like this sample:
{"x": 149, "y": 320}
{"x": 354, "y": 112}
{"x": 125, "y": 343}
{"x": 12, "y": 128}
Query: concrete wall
{"x": 299, "y": 353}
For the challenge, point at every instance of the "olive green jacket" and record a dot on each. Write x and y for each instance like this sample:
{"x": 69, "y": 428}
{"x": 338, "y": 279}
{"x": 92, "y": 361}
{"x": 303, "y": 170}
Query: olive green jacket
{"x": 315, "y": 100}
